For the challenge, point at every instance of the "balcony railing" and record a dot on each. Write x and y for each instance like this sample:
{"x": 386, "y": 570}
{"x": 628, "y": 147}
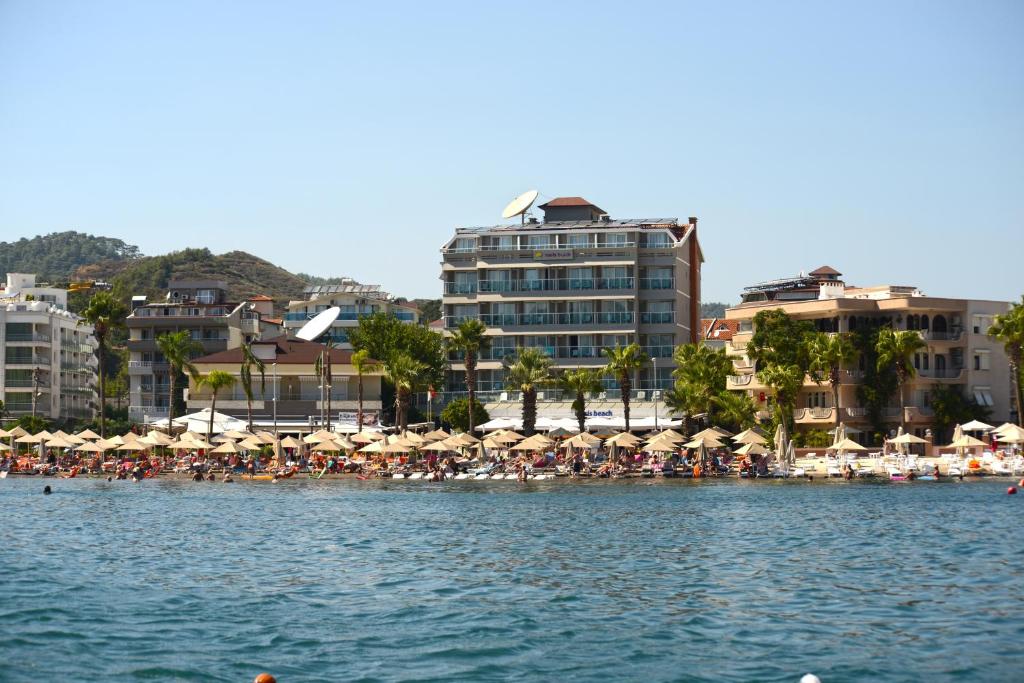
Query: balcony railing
{"x": 523, "y": 319}
{"x": 739, "y": 380}
{"x": 30, "y": 337}
{"x": 27, "y": 360}
{"x": 563, "y": 284}
{"x": 155, "y": 365}
{"x": 813, "y": 414}
{"x": 657, "y": 317}
{"x": 944, "y": 373}
{"x": 929, "y": 335}
{"x": 657, "y": 283}
{"x": 659, "y": 351}
{"x": 527, "y": 247}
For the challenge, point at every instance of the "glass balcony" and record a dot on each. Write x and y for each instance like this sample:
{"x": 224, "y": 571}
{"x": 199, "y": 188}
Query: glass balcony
{"x": 657, "y": 317}
{"x": 657, "y": 283}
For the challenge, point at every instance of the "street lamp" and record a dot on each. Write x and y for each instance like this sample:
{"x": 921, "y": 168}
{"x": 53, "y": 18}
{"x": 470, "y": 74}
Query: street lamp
{"x": 656, "y": 396}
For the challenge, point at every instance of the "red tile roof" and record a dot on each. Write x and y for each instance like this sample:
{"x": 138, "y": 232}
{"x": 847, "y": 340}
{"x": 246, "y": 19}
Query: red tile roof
{"x": 567, "y": 201}
{"x": 825, "y": 270}
{"x": 259, "y": 297}
{"x": 717, "y": 329}
{"x": 273, "y": 321}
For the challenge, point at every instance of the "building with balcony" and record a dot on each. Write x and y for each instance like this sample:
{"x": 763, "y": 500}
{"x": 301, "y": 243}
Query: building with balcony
{"x": 355, "y": 301}
{"x": 958, "y": 351}
{"x": 291, "y": 377}
{"x": 48, "y": 358}
{"x": 571, "y": 285}
{"x": 199, "y": 306}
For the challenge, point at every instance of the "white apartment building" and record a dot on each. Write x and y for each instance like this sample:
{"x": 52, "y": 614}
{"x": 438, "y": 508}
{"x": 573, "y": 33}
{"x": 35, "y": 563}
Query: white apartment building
{"x": 48, "y": 363}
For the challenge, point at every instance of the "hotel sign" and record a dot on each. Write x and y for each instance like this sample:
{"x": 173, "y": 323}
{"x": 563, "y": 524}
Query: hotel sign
{"x": 553, "y": 255}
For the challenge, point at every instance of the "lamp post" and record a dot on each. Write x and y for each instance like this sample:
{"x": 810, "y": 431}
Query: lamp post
{"x": 657, "y": 397}
{"x": 277, "y": 439}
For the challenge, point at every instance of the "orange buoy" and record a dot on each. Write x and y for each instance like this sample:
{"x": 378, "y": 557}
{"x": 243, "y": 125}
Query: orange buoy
{"x": 265, "y": 678}
{"x": 1011, "y": 491}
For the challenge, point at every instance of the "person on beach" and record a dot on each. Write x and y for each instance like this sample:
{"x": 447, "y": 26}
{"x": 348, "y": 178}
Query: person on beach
{"x": 198, "y": 476}
{"x": 227, "y": 478}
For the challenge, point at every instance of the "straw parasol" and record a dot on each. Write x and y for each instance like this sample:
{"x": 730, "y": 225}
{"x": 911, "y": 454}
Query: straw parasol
{"x": 907, "y": 439}
{"x": 413, "y": 439}
{"x": 505, "y": 437}
{"x": 533, "y": 443}
{"x": 366, "y": 437}
{"x": 318, "y": 436}
{"x": 69, "y": 437}
{"x": 712, "y": 432}
{"x": 227, "y": 448}
{"x": 750, "y": 436}
{"x": 134, "y": 446}
{"x": 669, "y": 434}
{"x": 290, "y": 442}
{"x": 976, "y": 426}
{"x": 624, "y": 439}
{"x": 29, "y": 438}
{"x": 581, "y": 441}
{"x": 660, "y": 445}
{"x": 559, "y": 431}
{"x": 237, "y": 434}
{"x": 464, "y": 439}
{"x": 253, "y": 443}
{"x": 266, "y": 437}
{"x": 705, "y": 441}
{"x": 3, "y": 434}
{"x": 60, "y": 442}
{"x": 88, "y": 435}
{"x": 443, "y": 446}
{"x": 751, "y": 449}
{"x": 436, "y": 435}
{"x": 17, "y": 432}
{"x": 967, "y": 441}
{"x": 326, "y": 446}
{"x": 3, "y": 446}
{"x": 846, "y": 444}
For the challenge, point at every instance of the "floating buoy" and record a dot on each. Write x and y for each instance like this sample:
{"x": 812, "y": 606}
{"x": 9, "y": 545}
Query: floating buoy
{"x": 1011, "y": 491}
{"x": 1021, "y": 483}
{"x": 810, "y": 678}
{"x": 265, "y": 678}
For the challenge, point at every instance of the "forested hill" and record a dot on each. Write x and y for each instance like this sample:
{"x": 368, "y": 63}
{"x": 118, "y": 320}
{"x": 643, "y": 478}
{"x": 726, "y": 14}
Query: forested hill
{"x": 55, "y": 257}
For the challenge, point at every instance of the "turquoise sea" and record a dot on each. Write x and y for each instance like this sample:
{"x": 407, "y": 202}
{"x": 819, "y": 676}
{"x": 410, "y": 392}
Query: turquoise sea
{"x": 636, "y": 580}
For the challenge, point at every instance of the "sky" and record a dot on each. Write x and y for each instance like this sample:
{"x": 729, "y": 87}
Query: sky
{"x": 885, "y": 139}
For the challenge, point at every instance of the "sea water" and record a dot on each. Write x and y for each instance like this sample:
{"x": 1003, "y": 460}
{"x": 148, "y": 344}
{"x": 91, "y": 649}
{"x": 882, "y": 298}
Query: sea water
{"x": 638, "y": 580}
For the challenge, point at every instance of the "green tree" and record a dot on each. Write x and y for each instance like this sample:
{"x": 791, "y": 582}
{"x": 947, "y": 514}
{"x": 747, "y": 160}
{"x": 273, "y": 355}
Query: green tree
{"x": 250, "y": 362}
{"x": 785, "y": 382}
{"x": 734, "y": 410}
{"x": 780, "y": 340}
{"x": 579, "y": 383}
{"x": 530, "y": 370}
{"x": 456, "y": 414}
{"x": 470, "y": 339}
{"x": 700, "y": 374}
{"x": 1008, "y": 328}
{"x": 896, "y": 350}
{"x": 828, "y": 353}
{"x": 363, "y": 364}
{"x": 106, "y": 314}
{"x": 215, "y": 380}
{"x": 406, "y": 374}
{"x": 879, "y": 383}
{"x": 684, "y": 399}
{"x": 623, "y": 363}
{"x": 950, "y": 407}
{"x": 178, "y": 349}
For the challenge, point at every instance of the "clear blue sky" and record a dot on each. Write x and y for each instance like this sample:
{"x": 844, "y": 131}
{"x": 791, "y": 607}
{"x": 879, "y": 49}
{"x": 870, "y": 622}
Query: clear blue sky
{"x": 883, "y": 138}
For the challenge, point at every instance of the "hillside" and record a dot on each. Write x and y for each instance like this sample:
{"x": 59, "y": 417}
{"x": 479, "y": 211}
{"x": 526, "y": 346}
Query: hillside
{"x": 55, "y": 257}
{"x": 245, "y": 274}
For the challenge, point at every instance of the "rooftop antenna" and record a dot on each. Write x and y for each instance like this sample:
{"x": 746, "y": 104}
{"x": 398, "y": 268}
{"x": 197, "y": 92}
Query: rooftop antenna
{"x": 520, "y": 205}
{"x": 319, "y": 324}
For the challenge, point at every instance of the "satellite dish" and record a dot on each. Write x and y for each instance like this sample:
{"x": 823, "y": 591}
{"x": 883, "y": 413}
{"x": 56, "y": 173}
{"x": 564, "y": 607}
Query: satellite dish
{"x": 519, "y": 205}
{"x": 318, "y": 325}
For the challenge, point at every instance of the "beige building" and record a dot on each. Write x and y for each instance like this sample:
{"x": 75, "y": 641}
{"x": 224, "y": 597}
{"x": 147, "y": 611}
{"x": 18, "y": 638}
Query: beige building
{"x": 291, "y": 379}
{"x": 571, "y": 285}
{"x": 48, "y": 358}
{"x": 355, "y": 301}
{"x": 958, "y": 351}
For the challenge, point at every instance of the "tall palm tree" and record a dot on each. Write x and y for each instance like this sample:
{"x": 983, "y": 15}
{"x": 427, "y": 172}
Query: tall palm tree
{"x": 895, "y": 350}
{"x": 1009, "y": 329}
{"x": 785, "y": 382}
{"x": 250, "y": 361}
{"x": 363, "y": 364}
{"x": 215, "y": 380}
{"x": 530, "y": 369}
{"x": 701, "y": 374}
{"x": 470, "y": 339}
{"x": 106, "y": 314}
{"x": 684, "y": 399}
{"x": 580, "y": 382}
{"x": 828, "y": 353}
{"x": 406, "y": 374}
{"x": 735, "y": 410}
{"x": 178, "y": 349}
{"x": 623, "y": 363}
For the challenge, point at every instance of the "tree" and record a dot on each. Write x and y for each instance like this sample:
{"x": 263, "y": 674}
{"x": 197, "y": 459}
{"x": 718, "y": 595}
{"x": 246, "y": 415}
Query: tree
{"x": 250, "y": 361}
{"x": 215, "y": 380}
{"x": 106, "y": 314}
{"x": 827, "y": 354}
{"x": 701, "y": 374}
{"x": 1009, "y": 329}
{"x": 382, "y": 334}
{"x": 780, "y": 340}
{"x": 683, "y": 399}
{"x": 895, "y": 350}
{"x": 363, "y": 364}
{"x": 623, "y": 363}
{"x": 456, "y": 414}
{"x": 579, "y": 383}
{"x": 530, "y": 369}
{"x": 470, "y": 339}
{"x": 734, "y": 410}
{"x": 785, "y": 382}
{"x": 178, "y": 349}
{"x": 950, "y": 406}
{"x": 406, "y": 374}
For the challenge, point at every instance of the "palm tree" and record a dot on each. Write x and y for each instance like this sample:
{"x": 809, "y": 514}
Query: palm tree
{"x": 215, "y": 380}
{"x": 363, "y": 364}
{"x": 735, "y": 410}
{"x": 683, "y": 399}
{"x": 406, "y": 374}
{"x": 106, "y": 314}
{"x": 623, "y": 362}
{"x": 178, "y": 349}
{"x": 785, "y": 382}
{"x": 250, "y": 361}
{"x": 580, "y": 382}
{"x": 895, "y": 350}
{"x": 1009, "y": 329}
{"x": 470, "y": 338}
{"x": 701, "y": 374}
{"x": 828, "y": 353}
{"x": 531, "y": 369}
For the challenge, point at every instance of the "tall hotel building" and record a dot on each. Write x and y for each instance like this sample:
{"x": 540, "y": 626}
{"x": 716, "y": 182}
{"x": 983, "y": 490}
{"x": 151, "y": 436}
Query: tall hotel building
{"x": 571, "y": 285}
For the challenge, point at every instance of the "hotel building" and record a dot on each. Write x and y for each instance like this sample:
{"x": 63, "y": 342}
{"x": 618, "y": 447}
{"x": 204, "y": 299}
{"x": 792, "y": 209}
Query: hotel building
{"x": 958, "y": 351}
{"x": 571, "y": 285}
{"x": 355, "y": 301}
{"x": 48, "y": 360}
{"x": 202, "y": 308}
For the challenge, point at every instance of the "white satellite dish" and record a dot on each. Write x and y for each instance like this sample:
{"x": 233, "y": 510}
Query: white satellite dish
{"x": 520, "y": 205}
{"x": 318, "y": 325}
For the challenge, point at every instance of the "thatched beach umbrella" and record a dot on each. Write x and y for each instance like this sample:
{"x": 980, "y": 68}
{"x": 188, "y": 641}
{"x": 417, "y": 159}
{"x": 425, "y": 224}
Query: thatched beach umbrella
{"x": 88, "y": 435}
{"x": 227, "y": 448}
{"x": 750, "y": 436}
{"x": 290, "y": 442}
{"x": 751, "y": 449}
